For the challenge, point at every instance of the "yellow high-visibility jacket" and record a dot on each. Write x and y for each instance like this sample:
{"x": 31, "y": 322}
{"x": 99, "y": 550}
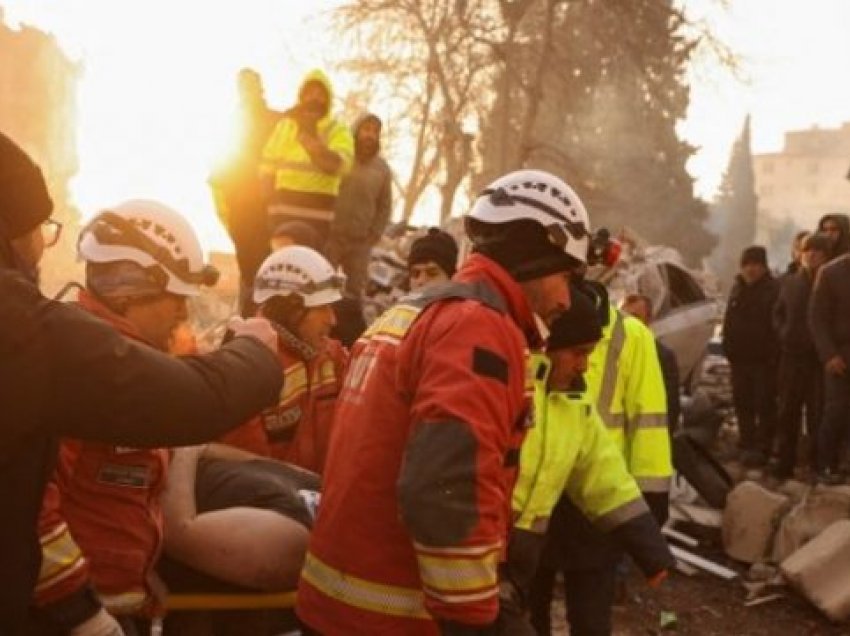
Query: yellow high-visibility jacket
{"x": 624, "y": 380}
{"x": 290, "y": 163}
{"x": 568, "y": 451}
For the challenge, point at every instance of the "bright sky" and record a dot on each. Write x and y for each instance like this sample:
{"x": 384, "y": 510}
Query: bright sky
{"x": 157, "y": 88}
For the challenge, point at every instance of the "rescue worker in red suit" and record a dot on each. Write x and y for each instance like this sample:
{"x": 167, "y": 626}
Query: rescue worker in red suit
{"x": 101, "y": 525}
{"x": 295, "y": 289}
{"x": 415, "y": 510}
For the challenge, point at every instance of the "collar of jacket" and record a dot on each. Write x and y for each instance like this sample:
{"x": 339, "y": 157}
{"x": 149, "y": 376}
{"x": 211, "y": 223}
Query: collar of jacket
{"x": 294, "y": 344}
{"x": 91, "y": 304}
{"x": 479, "y": 267}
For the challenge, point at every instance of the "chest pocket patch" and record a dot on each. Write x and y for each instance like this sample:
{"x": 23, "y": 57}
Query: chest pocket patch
{"x": 126, "y": 476}
{"x": 281, "y": 425}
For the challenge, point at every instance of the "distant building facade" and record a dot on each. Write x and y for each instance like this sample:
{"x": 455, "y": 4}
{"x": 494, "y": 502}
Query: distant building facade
{"x": 804, "y": 181}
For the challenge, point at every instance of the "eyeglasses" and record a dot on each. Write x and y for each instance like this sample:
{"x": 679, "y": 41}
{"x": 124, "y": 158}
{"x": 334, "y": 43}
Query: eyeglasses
{"x": 51, "y": 230}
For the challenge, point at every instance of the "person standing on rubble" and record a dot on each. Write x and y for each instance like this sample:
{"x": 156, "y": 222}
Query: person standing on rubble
{"x": 750, "y": 344}
{"x": 306, "y": 157}
{"x": 800, "y": 381}
{"x": 829, "y": 321}
{"x": 65, "y": 373}
{"x": 363, "y": 206}
{"x": 237, "y": 190}
{"x": 415, "y": 509}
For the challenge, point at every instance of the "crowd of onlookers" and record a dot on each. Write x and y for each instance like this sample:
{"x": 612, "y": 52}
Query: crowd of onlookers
{"x": 788, "y": 342}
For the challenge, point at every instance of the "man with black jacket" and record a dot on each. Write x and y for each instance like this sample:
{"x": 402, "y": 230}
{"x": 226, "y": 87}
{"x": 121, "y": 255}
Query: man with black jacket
{"x": 800, "y": 382}
{"x": 65, "y": 373}
{"x": 829, "y": 321}
{"x": 749, "y": 343}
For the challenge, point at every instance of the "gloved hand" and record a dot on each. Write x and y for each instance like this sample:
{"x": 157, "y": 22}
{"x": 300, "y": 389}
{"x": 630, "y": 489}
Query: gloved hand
{"x": 258, "y": 328}
{"x": 101, "y": 624}
{"x": 642, "y": 539}
{"x": 659, "y": 505}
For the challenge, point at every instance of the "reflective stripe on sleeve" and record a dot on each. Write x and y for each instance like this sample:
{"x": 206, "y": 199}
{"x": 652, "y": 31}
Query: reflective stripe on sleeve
{"x": 367, "y": 595}
{"x": 609, "y": 373}
{"x": 653, "y": 484}
{"x": 284, "y": 209}
{"x": 451, "y": 574}
{"x": 621, "y": 514}
{"x": 61, "y": 557}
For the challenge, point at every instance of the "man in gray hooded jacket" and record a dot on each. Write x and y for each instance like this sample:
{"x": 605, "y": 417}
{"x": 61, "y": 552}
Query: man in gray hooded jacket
{"x": 363, "y": 206}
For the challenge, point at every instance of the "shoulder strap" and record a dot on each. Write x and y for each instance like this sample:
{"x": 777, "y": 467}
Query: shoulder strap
{"x": 477, "y": 290}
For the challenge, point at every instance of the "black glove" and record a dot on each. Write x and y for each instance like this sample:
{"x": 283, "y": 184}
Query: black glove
{"x": 642, "y": 539}
{"x": 659, "y": 505}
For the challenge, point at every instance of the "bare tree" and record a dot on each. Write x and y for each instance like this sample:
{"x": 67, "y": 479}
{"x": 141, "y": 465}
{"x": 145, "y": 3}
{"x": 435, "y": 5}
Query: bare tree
{"x": 431, "y": 62}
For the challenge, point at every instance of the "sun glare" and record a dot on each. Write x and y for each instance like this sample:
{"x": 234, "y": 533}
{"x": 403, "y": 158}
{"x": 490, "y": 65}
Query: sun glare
{"x": 158, "y": 86}
{"x": 158, "y": 90}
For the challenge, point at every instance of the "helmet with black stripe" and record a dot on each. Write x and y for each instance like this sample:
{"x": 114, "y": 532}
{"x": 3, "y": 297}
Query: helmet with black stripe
{"x": 300, "y": 271}
{"x": 142, "y": 248}
{"x": 532, "y": 223}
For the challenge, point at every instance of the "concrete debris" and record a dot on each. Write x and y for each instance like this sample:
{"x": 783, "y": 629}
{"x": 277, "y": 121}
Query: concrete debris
{"x": 750, "y": 520}
{"x": 708, "y": 517}
{"x": 764, "y": 599}
{"x": 820, "y": 570}
{"x": 819, "y": 509}
{"x": 794, "y": 489}
{"x": 761, "y": 572}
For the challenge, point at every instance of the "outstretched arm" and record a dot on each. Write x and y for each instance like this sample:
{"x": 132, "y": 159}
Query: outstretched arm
{"x": 252, "y": 547}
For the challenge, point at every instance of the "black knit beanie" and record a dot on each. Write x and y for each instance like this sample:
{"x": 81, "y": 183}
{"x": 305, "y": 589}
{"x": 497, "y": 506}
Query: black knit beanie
{"x": 24, "y": 201}
{"x": 578, "y": 325}
{"x": 522, "y": 247}
{"x": 437, "y": 246}
{"x": 754, "y": 254}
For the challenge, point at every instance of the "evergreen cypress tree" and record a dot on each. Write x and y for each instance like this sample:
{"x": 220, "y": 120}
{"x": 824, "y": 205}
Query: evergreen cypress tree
{"x": 736, "y": 207}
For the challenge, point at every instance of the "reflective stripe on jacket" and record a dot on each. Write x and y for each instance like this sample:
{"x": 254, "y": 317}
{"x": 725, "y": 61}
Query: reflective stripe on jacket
{"x": 624, "y": 379}
{"x": 416, "y": 493}
{"x": 569, "y": 451}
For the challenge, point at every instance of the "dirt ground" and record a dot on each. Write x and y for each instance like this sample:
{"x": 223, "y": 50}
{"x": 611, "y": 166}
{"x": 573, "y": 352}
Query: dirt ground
{"x": 707, "y": 606}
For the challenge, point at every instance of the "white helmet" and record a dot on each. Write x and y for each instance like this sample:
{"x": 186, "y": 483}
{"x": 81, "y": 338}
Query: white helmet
{"x": 148, "y": 234}
{"x": 296, "y": 269}
{"x": 535, "y": 195}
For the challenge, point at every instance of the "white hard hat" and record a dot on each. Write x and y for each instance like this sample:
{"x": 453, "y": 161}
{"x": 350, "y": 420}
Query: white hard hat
{"x": 296, "y": 269}
{"x": 535, "y": 195}
{"x": 148, "y": 234}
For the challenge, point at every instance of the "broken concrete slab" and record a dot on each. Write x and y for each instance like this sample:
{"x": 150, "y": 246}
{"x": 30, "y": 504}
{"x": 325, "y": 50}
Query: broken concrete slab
{"x": 794, "y": 489}
{"x": 819, "y": 509}
{"x": 820, "y": 570}
{"x": 709, "y": 517}
{"x": 750, "y": 520}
